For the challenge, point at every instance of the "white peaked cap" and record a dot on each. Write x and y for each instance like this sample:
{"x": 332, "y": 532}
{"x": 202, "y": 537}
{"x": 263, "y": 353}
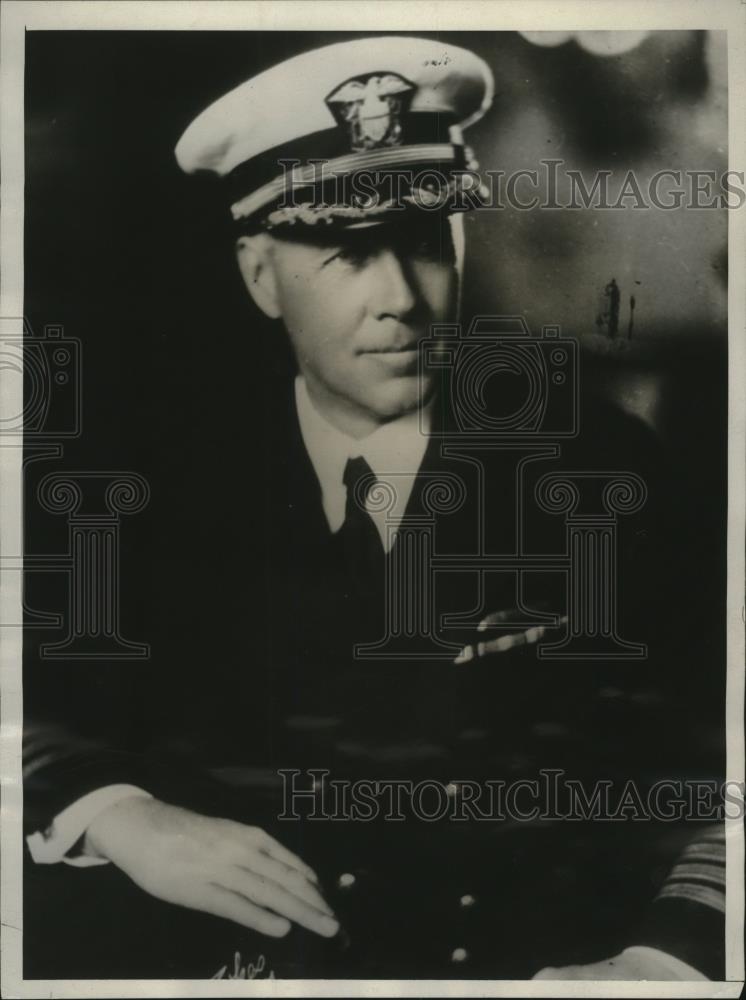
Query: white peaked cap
{"x": 287, "y": 101}
{"x": 375, "y": 103}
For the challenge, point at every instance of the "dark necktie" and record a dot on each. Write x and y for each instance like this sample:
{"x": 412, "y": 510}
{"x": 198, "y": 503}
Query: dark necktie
{"x": 358, "y": 536}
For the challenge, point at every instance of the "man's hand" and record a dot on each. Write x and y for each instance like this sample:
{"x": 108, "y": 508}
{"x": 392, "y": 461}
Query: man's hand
{"x": 510, "y": 640}
{"x": 215, "y": 865}
{"x": 632, "y": 965}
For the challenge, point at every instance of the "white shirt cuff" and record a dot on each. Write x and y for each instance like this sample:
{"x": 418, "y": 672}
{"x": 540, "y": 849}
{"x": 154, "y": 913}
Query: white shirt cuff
{"x": 670, "y": 967}
{"x": 51, "y": 846}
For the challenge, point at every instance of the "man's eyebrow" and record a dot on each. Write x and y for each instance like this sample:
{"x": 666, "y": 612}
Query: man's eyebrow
{"x": 369, "y": 240}
{"x": 320, "y": 241}
{"x": 357, "y": 247}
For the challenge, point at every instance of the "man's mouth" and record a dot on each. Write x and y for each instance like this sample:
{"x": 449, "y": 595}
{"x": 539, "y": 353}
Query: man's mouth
{"x": 400, "y": 359}
{"x": 402, "y": 349}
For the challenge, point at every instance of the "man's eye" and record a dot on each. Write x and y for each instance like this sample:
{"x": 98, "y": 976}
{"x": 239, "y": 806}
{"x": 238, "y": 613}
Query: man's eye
{"x": 432, "y": 248}
{"x": 346, "y": 255}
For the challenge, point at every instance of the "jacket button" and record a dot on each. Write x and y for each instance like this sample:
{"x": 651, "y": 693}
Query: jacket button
{"x": 346, "y": 881}
{"x": 467, "y": 900}
{"x": 459, "y": 955}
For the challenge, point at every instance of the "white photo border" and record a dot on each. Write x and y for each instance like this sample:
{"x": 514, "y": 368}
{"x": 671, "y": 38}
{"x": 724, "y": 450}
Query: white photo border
{"x": 19, "y": 16}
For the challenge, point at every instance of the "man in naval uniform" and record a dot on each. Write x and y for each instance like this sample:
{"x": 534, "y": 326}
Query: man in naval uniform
{"x": 175, "y": 790}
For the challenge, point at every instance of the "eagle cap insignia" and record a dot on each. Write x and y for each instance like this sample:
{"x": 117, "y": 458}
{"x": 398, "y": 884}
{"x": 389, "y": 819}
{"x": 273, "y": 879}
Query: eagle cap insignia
{"x": 372, "y": 107}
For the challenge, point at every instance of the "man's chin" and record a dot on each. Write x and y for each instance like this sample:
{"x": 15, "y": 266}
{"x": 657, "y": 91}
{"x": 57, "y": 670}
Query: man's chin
{"x": 403, "y": 398}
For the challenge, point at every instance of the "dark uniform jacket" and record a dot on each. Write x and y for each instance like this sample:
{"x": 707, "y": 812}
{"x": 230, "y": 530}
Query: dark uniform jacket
{"x": 253, "y": 615}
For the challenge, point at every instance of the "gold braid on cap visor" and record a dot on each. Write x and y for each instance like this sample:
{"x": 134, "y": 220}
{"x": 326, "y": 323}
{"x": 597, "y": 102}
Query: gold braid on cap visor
{"x": 426, "y": 199}
{"x": 316, "y": 173}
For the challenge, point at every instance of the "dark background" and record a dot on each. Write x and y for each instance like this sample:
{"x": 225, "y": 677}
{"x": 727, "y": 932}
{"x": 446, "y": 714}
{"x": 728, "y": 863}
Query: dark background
{"x": 136, "y": 260}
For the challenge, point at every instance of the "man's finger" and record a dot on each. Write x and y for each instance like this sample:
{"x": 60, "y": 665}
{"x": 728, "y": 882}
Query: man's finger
{"x": 224, "y": 902}
{"x": 507, "y": 615}
{"x": 268, "y": 845}
{"x": 503, "y": 643}
{"x": 272, "y": 896}
{"x": 498, "y": 618}
{"x": 500, "y": 645}
{"x": 548, "y": 973}
{"x": 291, "y": 879}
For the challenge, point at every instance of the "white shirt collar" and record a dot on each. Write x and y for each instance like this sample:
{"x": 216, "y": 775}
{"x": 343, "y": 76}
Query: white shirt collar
{"x": 395, "y": 449}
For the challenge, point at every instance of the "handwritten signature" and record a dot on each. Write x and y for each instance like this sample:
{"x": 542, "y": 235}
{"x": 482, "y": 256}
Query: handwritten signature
{"x": 252, "y": 970}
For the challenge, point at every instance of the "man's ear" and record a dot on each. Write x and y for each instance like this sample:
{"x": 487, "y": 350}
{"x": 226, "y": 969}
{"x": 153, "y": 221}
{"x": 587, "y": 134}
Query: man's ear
{"x": 257, "y": 268}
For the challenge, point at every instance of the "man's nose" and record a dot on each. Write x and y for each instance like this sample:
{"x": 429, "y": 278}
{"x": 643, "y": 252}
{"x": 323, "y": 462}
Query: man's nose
{"x": 393, "y": 291}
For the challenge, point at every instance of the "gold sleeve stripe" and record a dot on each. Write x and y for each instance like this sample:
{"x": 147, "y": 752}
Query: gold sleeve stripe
{"x": 705, "y": 895}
